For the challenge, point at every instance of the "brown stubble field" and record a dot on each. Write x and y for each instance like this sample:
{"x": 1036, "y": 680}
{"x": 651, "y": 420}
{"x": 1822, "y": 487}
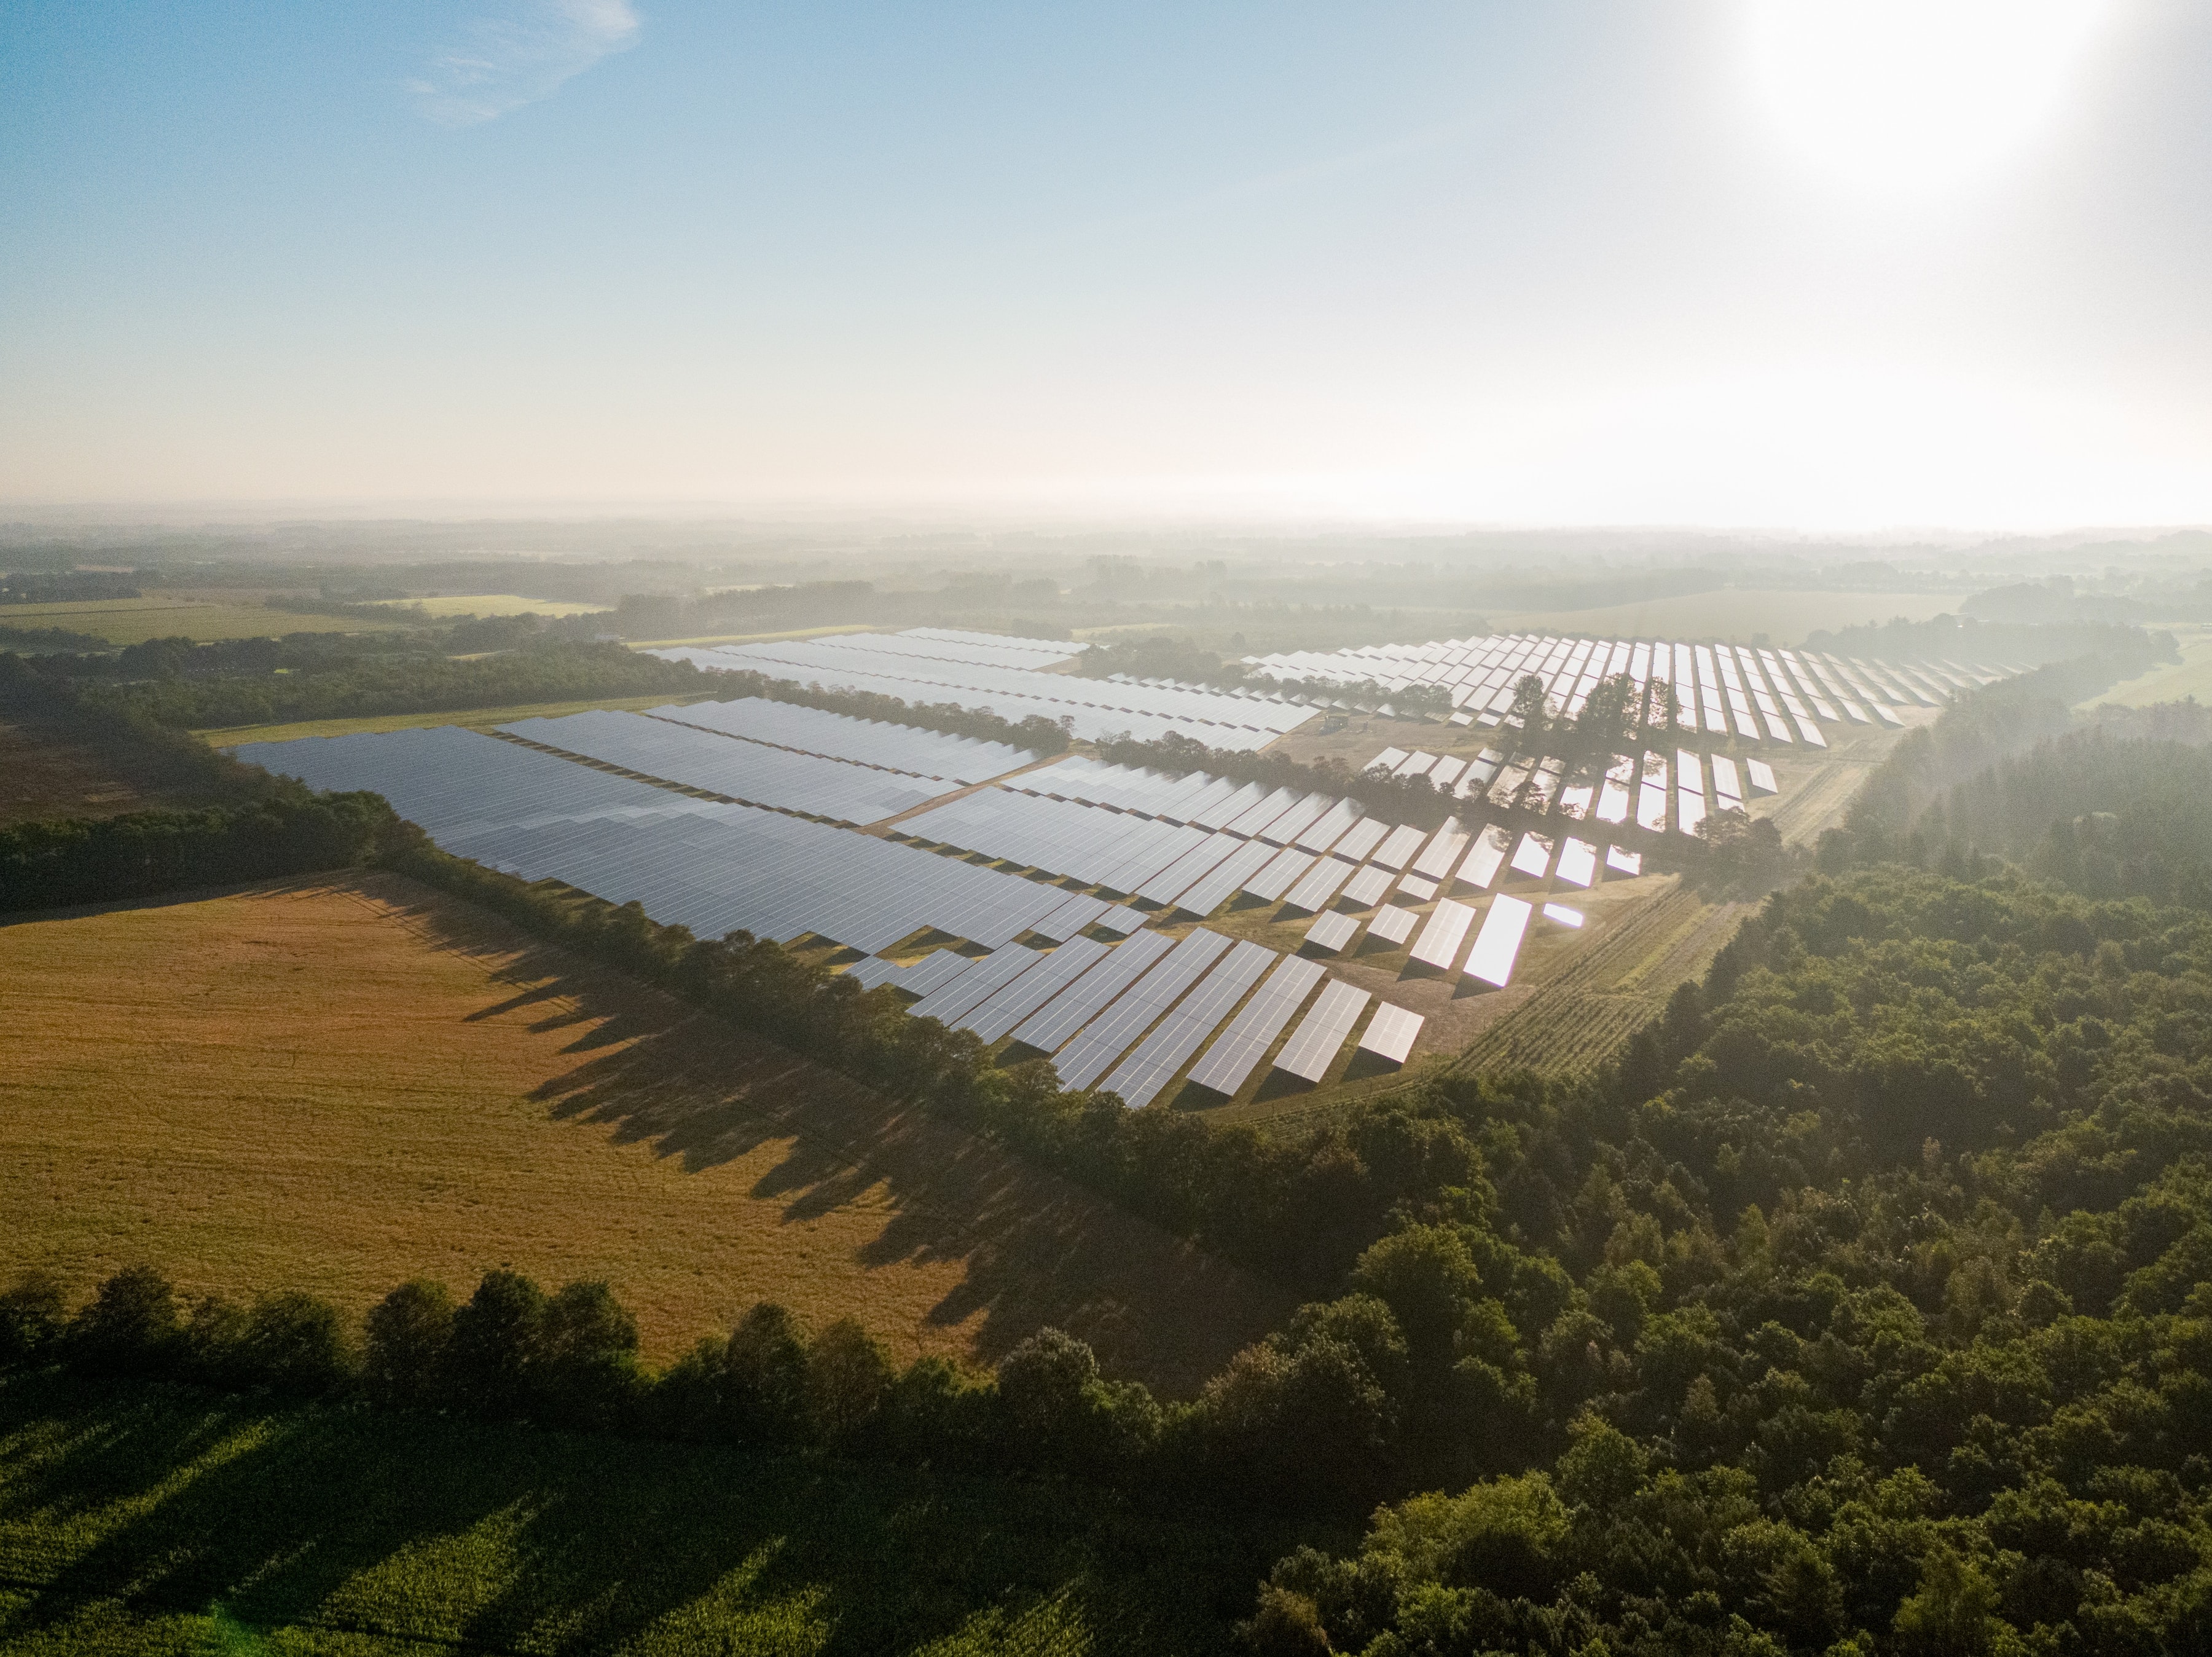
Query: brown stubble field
{"x": 336, "y": 1084}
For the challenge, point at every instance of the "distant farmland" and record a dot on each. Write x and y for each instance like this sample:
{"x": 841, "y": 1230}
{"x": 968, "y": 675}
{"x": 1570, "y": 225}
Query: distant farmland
{"x": 335, "y": 1086}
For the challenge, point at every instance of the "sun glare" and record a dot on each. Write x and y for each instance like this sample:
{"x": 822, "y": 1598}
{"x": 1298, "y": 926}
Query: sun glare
{"x": 1916, "y": 94}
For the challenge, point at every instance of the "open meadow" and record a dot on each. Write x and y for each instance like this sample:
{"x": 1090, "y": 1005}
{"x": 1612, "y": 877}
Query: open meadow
{"x": 334, "y": 1085}
{"x": 133, "y": 621}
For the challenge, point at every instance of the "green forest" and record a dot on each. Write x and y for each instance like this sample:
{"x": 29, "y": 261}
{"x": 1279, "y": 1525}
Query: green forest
{"x": 1859, "y": 1307}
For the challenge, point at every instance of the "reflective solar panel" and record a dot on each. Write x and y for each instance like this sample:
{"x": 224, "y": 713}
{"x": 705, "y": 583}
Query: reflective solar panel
{"x": 1393, "y": 925}
{"x": 1391, "y": 1032}
{"x": 1049, "y": 1029}
{"x": 1313, "y": 1046}
{"x": 1008, "y": 1004}
{"x": 1369, "y": 887}
{"x": 1486, "y": 856}
{"x": 1497, "y": 945}
{"x": 1108, "y": 1036}
{"x": 1319, "y": 884}
{"x": 1332, "y": 931}
{"x": 1152, "y": 1063}
{"x": 1400, "y": 845}
{"x": 1438, "y": 944}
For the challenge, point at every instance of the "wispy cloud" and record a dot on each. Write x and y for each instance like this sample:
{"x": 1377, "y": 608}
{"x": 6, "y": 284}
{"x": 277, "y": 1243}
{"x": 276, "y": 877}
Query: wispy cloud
{"x": 524, "y": 50}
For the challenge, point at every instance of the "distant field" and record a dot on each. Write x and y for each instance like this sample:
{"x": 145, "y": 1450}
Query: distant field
{"x": 475, "y": 718}
{"x": 133, "y": 621}
{"x": 1733, "y": 613}
{"x": 45, "y": 774}
{"x": 135, "y": 1519}
{"x": 760, "y": 638}
{"x": 496, "y": 604}
{"x": 335, "y": 1087}
{"x": 2170, "y": 681}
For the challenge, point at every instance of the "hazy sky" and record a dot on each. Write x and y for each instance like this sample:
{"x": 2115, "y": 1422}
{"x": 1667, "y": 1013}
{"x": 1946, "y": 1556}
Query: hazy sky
{"x": 1816, "y": 263}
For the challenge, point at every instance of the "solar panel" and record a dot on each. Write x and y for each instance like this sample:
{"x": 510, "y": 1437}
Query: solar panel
{"x": 1390, "y": 1033}
{"x": 1532, "y": 856}
{"x": 1486, "y": 856}
{"x": 1628, "y": 862}
{"x": 1443, "y": 851}
{"x": 1237, "y": 1051}
{"x": 969, "y": 989}
{"x": 1438, "y": 944}
{"x": 1578, "y": 862}
{"x": 1049, "y": 1028}
{"x": 1319, "y": 884}
{"x": 1280, "y": 874}
{"x": 1762, "y": 777}
{"x": 1108, "y": 1036}
{"x": 1393, "y": 925}
{"x": 1563, "y": 915}
{"x": 1498, "y": 944}
{"x": 1420, "y": 891}
{"x": 936, "y": 970}
{"x": 1009, "y": 1004}
{"x": 1689, "y": 811}
{"x": 1330, "y": 827}
{"x": 1399, "y": 847}
{"x": 1359, "y": 839}
{"x": 1369, "y": 887}
{"x": 1332, "y": 931}
{"x": 1227, "y": 877}
{"x": 1313, "y": 1046}
{"x": 1152, "y": 1064}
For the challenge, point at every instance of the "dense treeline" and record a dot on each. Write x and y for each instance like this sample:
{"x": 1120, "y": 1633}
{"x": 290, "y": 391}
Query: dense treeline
{"x": 1964, "y": 638}
{"x": 1970, "y": 735}
{"x": 371, "y": 684}
{"x": 50, "y": 863}
{"x": 1035, "y": 732}
{"x": 1412, "y": 800}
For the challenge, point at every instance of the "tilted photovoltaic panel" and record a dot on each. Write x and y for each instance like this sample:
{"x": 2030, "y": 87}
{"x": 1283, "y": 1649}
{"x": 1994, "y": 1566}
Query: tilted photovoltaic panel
{"x": 1498, "y": 943}
{"x": 1111, "y": 1034}
{"x": 1391, "y": 1032}
{"x": 1319, "y": 884}
{"x": 1237, "y": 1051}
{"x": 1438, "y": 944}
{"x": 1314, "y": 1045}
{"x": 1152, "y": 1063}
{"x": 1332, "y": 931}
{"x": 863, "y": 741}
{"x": 1227, "y": 877}
{"x": 1050, "y": 1026}
{"x": 1010, "y": 1004}
{"x": 970, "y": 989}
{"x": 1369, "y": 887}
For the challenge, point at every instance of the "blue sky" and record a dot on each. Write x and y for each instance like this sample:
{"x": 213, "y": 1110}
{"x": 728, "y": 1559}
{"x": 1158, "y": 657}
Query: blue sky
{"x": 1573, "y": 261}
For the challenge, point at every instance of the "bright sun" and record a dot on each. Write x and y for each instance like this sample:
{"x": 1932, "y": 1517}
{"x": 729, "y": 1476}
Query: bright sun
{"x": 1916, "y": 95}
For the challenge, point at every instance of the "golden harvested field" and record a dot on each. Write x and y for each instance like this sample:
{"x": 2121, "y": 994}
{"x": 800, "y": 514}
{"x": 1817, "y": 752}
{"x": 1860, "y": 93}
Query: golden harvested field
{"x": 1733, "y": 613}
{"x": 337, "y": 1085}
{"x": 133, "y": 621}
{"x": 495, "y": 604}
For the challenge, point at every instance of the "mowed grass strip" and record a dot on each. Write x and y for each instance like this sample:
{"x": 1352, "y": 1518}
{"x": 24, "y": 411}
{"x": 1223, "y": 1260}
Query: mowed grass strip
{"x": 334, "y": 1086}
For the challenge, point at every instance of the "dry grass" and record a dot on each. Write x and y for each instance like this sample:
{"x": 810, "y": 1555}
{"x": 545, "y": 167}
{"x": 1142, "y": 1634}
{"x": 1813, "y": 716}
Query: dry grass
{"x": 335, "y": 1086}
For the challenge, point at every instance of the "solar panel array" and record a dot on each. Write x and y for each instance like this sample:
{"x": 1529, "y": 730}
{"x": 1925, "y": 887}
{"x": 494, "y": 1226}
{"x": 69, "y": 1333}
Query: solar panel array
{"x": 834, "y": 788}
{"x": 980, "y": 671}
{"x": 864, "y": 742}
{"x": 712, "y": 867}
{"x": 1756, "y": 694}
{"x": 1229, "y": 1063}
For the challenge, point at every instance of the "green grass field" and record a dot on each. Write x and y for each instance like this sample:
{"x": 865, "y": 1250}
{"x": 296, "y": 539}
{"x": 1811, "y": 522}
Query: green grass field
{"x": 133, "y": 621}
{"x": 475, "y": 718}
{"x": 141, "y": 1519}
{"x": 1735, "y": 613}
{"x": 2170, "y": 681}
{"x": 496, "y": 604}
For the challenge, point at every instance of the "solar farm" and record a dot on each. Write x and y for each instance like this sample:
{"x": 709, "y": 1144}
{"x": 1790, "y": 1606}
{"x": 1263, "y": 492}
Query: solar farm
{"x": 1161, "y": 935}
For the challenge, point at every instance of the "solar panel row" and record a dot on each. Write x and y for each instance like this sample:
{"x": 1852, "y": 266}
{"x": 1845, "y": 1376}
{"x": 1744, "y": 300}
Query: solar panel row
{"x": 751, "y": 772}
{"x": 864, "y": 742}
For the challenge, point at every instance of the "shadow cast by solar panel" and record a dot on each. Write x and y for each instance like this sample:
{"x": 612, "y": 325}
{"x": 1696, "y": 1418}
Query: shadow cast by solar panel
{"x": 1036, "y": 1248}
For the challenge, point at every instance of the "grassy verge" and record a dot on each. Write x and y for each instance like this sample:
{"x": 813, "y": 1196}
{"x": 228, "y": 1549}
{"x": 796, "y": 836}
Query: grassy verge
{"x": 138, "y": 1518}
